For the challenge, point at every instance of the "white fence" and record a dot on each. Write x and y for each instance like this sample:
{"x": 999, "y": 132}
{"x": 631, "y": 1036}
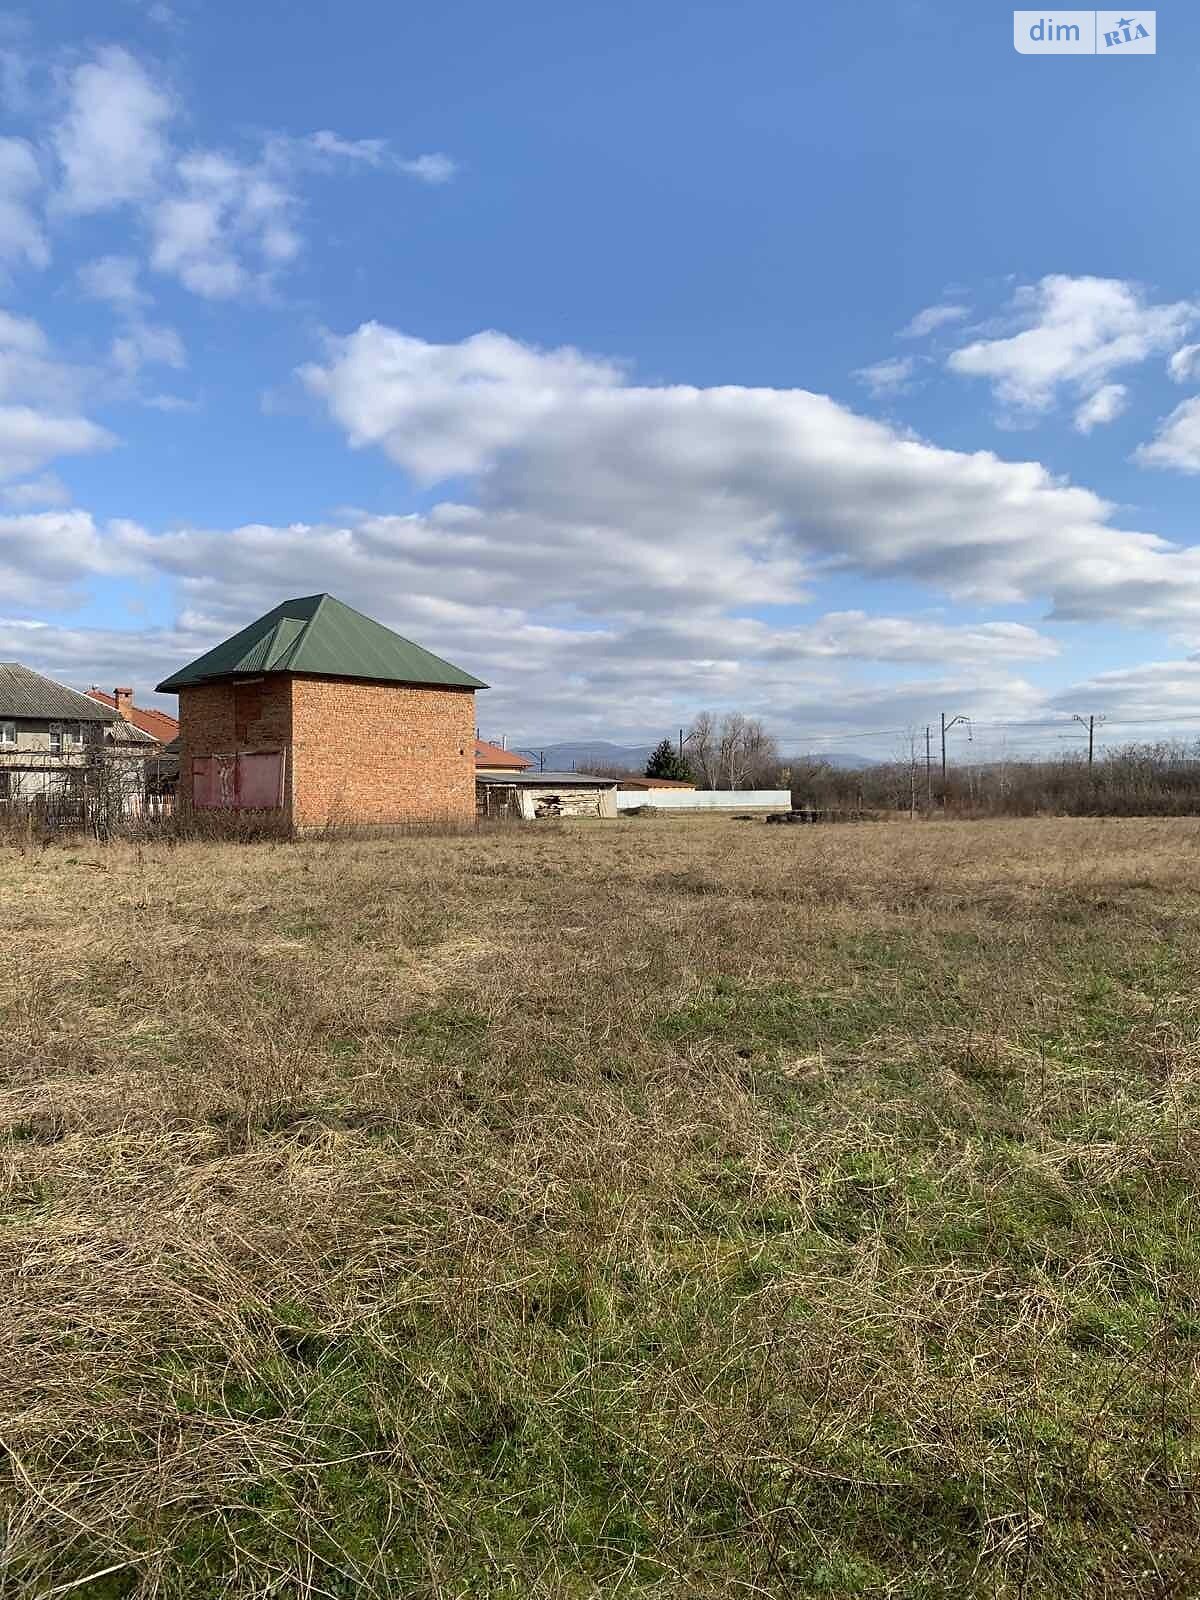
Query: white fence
{"x": 704, "y": 799}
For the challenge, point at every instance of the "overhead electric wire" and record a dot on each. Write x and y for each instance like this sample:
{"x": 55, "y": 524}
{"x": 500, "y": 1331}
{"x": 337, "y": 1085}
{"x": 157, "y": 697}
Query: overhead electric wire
{"x": 1059, "y": 727}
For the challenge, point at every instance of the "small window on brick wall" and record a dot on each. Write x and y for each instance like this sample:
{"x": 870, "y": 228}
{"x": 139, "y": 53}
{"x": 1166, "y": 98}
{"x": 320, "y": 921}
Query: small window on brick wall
{"x": 250, "y": 781}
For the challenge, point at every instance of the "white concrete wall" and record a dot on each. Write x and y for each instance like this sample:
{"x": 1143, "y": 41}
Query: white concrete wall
{"x": 704, "y": 799}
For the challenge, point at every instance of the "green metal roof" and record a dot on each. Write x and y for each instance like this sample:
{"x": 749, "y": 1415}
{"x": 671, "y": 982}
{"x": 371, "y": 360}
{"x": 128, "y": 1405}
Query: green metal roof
{"x": 320, "y": 635}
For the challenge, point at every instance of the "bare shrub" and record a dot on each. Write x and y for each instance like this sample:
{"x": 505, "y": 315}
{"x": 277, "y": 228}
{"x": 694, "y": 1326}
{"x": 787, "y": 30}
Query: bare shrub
{"x": 1160, "y": 779}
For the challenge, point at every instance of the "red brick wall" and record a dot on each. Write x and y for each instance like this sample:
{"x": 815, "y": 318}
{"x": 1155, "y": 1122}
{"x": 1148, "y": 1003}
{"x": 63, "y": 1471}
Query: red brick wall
{"x": 381, "y": 752}
{"x": 356, "y": 752}
{"x": 220, "y": 718}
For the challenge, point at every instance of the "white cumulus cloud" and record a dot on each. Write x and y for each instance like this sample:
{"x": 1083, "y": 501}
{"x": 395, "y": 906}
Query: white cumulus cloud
{"x": 44, "y": 491}
{"x": 1153, "y": 692}
{"x": 46, "y": 555}
{"x": 1075, "y": 333}
{"x": 446, "y": 410}
{"x": 224, "y": 223}
{"x": 147, "y": 344}
{"x": 1106, "y": 405}
{"x": 22, "y": 237}
{"x": 1183, "y": 363}
{"x": 29, "y": 439}
{"x": 1177, "y": 442}
{"x": 224, "y": 227}
{"x": 581, "y": 467}
{"x": 112, "y": 140}
{"x": 112, "y": 278}
{"x": 609, "y": 552}
{"x": 40, "y": 396}
{"x": 32, "y": 372}
{"x": 932, "y": 318}
{"x": 434, "y": 167}
{"x": 887, "y": 377}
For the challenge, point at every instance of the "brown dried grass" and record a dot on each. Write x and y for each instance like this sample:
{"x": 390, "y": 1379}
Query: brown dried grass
{"x": 688, "y": 1209}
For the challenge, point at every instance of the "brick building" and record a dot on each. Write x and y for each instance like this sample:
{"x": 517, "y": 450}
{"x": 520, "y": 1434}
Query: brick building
{"x": 320, "y": 713}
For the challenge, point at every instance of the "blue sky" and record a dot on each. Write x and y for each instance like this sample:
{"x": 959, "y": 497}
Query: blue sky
{"x": 834, "y": 365}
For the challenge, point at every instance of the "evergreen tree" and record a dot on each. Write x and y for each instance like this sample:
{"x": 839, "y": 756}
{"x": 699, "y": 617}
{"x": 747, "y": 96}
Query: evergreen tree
{"x": 666, "y": 762}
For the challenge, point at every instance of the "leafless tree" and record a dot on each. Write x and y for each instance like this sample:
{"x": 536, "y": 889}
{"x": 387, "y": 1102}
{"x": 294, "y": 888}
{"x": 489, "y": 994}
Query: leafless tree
{"x": 731, "y": 751}
{"x": 734, "y": 752}
{"x": 760, "y": 751}
{"x": 702, "y": 748}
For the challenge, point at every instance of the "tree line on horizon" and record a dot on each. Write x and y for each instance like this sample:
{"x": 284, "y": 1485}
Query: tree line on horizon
{"x": 735, "y": 751}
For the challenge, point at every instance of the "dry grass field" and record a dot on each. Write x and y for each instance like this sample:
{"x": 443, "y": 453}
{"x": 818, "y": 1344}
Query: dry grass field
{"x": 673, "y": 1208}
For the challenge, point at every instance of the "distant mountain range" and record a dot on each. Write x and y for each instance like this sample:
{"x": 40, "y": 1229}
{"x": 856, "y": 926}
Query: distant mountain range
{"x": 842, "y": 760}
{"x": 578, "y": 755}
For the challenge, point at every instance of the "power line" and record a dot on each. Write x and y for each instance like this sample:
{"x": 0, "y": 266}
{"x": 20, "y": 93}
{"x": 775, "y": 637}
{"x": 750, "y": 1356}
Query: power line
{"x": 1167, "y": 721}
{"x": 1162, "y": 719}
{"x": 805, "y": 742}
{"x": 840, "y": 738}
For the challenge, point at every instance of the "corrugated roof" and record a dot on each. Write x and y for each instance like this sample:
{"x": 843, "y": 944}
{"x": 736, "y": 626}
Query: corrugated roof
{"x": 126, "y": 732}
{"x": 545, "y": 780}
{"x": 25, "y": 693}
{"x": 323, "y": 636}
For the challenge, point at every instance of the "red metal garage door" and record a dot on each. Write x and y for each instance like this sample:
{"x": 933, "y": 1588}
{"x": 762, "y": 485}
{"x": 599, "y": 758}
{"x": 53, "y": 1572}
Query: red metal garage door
{"x": 252, "y": 781}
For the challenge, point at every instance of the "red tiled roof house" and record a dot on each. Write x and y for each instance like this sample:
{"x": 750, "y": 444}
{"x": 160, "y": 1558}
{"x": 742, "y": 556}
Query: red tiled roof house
{"x": 318, "y": 712}
{"x": 158, "y": 724}
{"x": 498, "y": 758}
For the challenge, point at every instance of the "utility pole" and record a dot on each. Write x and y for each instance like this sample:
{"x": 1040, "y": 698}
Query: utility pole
{"x": 681, "y": 744}
{"x": 928, "y": 767}
{"x": 1090, "y": 725}
{"x": 912, "y": 774}
{"x": 946, "y": 726}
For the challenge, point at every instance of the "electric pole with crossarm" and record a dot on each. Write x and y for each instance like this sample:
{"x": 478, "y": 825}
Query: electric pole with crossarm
{"x": 1090, "y": 724}
{"x": 946, "y": 726}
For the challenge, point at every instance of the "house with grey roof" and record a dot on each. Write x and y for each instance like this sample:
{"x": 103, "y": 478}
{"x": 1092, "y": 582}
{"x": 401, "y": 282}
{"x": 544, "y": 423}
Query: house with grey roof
{"x": 46, "y": 734}
{"x": 65, "y": 751}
